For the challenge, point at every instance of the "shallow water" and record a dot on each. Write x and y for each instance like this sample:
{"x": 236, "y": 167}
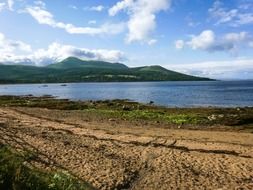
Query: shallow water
{"x": 172, "y": 94}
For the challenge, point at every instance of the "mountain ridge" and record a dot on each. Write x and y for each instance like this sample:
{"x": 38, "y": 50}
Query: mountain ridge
{"x": 73, "y": 69}
{"x": 73, "y": 62}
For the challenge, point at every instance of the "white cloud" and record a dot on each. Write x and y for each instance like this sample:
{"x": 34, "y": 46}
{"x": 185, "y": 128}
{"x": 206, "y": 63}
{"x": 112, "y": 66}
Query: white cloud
{"x": 246, "y": 18}
{"x": 208, "y": 41}
{"x": 17, "y": 52}
{"x": 142, "y": 17}
{"x": 152, "y": 42}
{"x": 98, "y": 8}
{"x": 232, "y": 69}
{"x": 179, "y": 44}
{"x": 57, "y": 52}
{"x": 122, "y": 5}
{"x": 237, "y": 37}
{"x": 233, "y": 17}
{"x": 8, "y": 46}
{"x": 10, "y": 4}
{"x": 2, "y": 6}
{"x": 42, "y": 16}
{"x": 204, "y": 41}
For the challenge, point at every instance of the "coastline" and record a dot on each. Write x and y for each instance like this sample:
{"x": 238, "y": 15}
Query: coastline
{"x": 230, "y": 118}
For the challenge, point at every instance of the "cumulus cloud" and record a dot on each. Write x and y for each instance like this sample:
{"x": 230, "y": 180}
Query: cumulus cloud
{"x": 54, "y": 53}
{"x": 205, "y": 40}
{"x": 233, "y": 17}
{"x": 42, "y": 16}
{"x": 232, "y": 69}
{"x": 208, "y": 41}
{"x": 142, "y": 17}
{"x": 8, "y": 46}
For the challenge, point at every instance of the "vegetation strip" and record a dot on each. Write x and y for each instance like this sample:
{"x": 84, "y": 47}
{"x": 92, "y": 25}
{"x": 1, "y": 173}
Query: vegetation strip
{"x": 17, "y": 173}
{"x": 113, "y": 110}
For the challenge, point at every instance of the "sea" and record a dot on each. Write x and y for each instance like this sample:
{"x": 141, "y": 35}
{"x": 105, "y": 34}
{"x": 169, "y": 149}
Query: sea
{"x": 169, "y": 94}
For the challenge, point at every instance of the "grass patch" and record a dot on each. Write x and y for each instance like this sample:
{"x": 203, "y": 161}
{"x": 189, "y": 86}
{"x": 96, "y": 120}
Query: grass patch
{"x": 161, "y": 117}
{"x": 150, "y": 115}
{"x": 16, "y": 175}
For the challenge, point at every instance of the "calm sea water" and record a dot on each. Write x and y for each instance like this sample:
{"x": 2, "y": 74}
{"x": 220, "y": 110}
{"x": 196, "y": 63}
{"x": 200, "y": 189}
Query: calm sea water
{"x": 171, "y": 94}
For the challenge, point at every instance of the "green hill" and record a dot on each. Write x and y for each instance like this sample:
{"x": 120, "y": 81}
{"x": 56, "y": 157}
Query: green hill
{"x": 76, "y": 70}
{"x": 73, "y": 62}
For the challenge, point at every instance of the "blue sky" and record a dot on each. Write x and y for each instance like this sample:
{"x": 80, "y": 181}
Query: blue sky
{"x": 202, "y": 37}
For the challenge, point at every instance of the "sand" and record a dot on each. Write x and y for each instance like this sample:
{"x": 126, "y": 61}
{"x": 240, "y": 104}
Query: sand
{"x": 117, "y": 155}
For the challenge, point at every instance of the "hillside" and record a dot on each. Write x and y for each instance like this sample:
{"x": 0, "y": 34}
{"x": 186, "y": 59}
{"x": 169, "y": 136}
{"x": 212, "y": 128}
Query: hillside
{"x": 73, "y": 62}
{"x": 76, "y": 70}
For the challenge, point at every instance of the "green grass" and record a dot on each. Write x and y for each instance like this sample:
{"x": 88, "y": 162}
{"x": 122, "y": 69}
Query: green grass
{"x": 16, "y": 175}
{"x": 150, "y": 115}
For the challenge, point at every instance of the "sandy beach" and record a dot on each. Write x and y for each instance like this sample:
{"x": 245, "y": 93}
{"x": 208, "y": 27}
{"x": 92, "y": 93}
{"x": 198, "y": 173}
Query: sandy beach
{"x": 115, "y": 154}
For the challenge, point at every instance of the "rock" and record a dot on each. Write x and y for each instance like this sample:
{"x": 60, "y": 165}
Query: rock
{"x": 126, "y": 108}
{"x": 111, "y": 119}
{"x": 151, "y": 102}
{"x": 66, "y": 143}
{"x": 212, "y": 117}
{"x": 2, "y": 124}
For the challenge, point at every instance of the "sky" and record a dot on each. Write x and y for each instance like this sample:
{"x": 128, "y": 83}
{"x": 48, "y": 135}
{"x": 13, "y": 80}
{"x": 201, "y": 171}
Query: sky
{"x": 210, "y": 38}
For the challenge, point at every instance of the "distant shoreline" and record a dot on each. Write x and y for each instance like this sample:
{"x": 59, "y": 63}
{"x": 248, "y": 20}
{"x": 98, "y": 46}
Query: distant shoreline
{"x": 151, "y": 103}
{"x": 210, "y": 80}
